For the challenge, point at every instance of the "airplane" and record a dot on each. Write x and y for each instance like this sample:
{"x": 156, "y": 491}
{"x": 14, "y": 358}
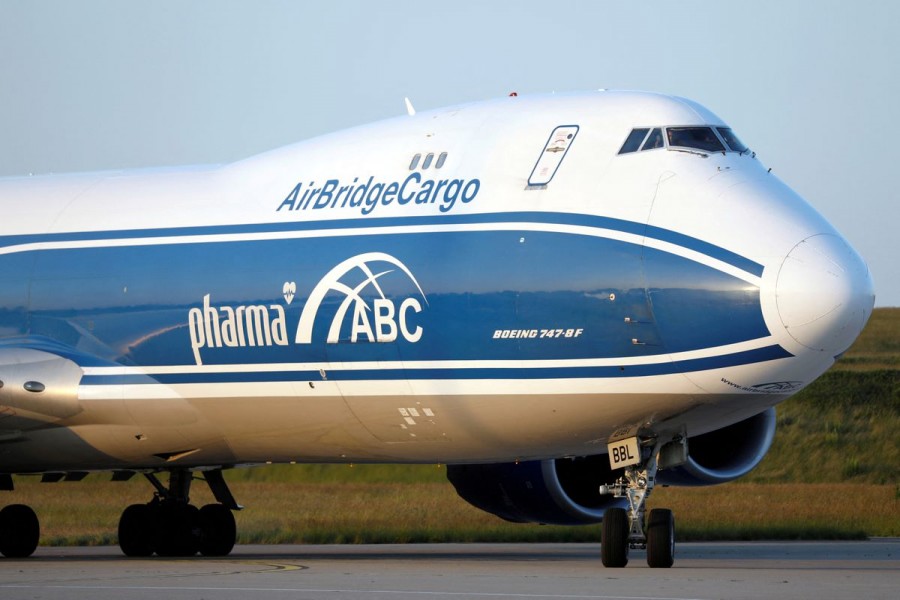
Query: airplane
{"x": 568, "y": 299}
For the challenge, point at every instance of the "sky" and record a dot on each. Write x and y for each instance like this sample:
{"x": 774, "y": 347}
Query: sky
{"x": 811, "y": 85}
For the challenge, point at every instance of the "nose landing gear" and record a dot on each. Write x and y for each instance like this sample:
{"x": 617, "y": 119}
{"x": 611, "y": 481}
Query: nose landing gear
{"x": 624, "y": 529}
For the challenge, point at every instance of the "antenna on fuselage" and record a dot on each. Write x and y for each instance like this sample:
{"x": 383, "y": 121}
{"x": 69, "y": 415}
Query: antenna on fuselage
{"x": 409, "y": 108}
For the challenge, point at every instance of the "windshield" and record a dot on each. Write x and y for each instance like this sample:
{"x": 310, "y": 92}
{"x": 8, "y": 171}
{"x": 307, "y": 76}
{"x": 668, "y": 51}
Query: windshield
{"x": 732, "y": 140}
{"x": 704, "y": 138}
{"x": 700, "y": 138}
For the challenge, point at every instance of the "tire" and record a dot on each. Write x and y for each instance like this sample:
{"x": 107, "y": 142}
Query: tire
{"x": 138, "y": 528}
{"x": 217, "y": 530}
{"x": 19, "y": 531}
{"x": 661, "y": 539}
{"x": 614, "y": 540}
{"x": 179, "y": 529}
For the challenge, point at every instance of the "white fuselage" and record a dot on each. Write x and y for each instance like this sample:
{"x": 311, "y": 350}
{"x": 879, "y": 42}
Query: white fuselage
{"x": 495, "y": 308}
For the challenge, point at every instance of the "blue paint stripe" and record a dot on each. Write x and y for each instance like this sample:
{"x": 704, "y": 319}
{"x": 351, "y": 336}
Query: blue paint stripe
{"x": 684, "y": 366}
{"x": 658, "y": 233}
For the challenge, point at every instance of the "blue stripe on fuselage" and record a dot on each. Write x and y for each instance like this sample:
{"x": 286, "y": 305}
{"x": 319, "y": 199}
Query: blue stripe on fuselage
{"x": 573, "y": 296}
{"x": 391, "y": 373}
{"x": 479, "y": 294}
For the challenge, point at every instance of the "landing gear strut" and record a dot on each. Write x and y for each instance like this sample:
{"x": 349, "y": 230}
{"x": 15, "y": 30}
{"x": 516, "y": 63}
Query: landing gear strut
{"x": 624, "y": 529}
{"x": 170, "y": 525}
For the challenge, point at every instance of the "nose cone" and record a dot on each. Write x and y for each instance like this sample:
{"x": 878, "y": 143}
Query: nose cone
{"x": 824, "y": 293}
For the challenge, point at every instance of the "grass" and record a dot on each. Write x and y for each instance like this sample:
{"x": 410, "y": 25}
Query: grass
{"x": 842, "y": 428}
{"x": 878, "y": 346}
{"x": 790, "y": 511}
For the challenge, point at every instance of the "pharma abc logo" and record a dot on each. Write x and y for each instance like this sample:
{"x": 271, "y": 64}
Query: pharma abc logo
{"x": 387, "y": 321}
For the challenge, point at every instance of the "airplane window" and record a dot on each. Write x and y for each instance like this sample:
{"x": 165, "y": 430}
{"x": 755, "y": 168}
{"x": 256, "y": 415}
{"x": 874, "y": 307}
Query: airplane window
{"x": 732, "y": 140}
{"x": 701, "y": 138}
{"x": 414, "y": 162}
{"x": 428, "y": 158}
{"x": 654, "y": 140}
{"x": 633, "y": 142}
{"x": 442, "y": 157}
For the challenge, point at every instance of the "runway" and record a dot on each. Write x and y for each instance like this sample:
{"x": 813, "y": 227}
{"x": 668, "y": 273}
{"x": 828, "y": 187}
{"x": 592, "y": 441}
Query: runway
{"x": 819, "y": 570}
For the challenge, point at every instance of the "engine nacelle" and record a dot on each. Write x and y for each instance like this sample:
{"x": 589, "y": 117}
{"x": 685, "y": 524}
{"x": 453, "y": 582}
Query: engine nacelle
{"x": 566, "y": 491}
{"x": 554, "y": 492}
{"x": 725, "y": 454}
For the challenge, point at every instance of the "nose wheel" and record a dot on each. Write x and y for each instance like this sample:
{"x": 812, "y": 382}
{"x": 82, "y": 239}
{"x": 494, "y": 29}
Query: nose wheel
{"x": 614, "y": 538}
{"x": 661, "y": 538}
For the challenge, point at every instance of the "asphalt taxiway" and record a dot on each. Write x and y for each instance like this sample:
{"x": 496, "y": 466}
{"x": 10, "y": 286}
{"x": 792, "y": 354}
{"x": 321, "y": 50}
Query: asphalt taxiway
{"x": 819, "y": 570}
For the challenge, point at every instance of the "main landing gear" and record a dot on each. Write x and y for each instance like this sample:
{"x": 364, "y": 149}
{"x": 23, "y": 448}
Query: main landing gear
{"x": 623, "y": 529}
{"x": 169, "y": 525}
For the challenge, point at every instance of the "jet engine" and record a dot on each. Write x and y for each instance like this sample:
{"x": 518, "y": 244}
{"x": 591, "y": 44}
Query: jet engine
{"x": 564, "y": 491}
{"x": 725, "y": 454}
{"x": 557, "y": 492}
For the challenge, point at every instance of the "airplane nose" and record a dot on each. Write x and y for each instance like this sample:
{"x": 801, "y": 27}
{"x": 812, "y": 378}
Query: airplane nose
{"x": 824, "y": 293}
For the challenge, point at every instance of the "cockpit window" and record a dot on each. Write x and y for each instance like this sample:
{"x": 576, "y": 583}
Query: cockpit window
{"x": 654, "y": 140}
{"x": 704, "y": 138}
{"x": 732, "y": 140}
{"x": 700, "y": 138}
{"x": 633, "y": 142}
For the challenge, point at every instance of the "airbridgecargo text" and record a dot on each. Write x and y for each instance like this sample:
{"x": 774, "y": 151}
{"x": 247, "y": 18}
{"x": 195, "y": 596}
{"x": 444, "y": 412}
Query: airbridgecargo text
{"x": 369, "y": 194}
